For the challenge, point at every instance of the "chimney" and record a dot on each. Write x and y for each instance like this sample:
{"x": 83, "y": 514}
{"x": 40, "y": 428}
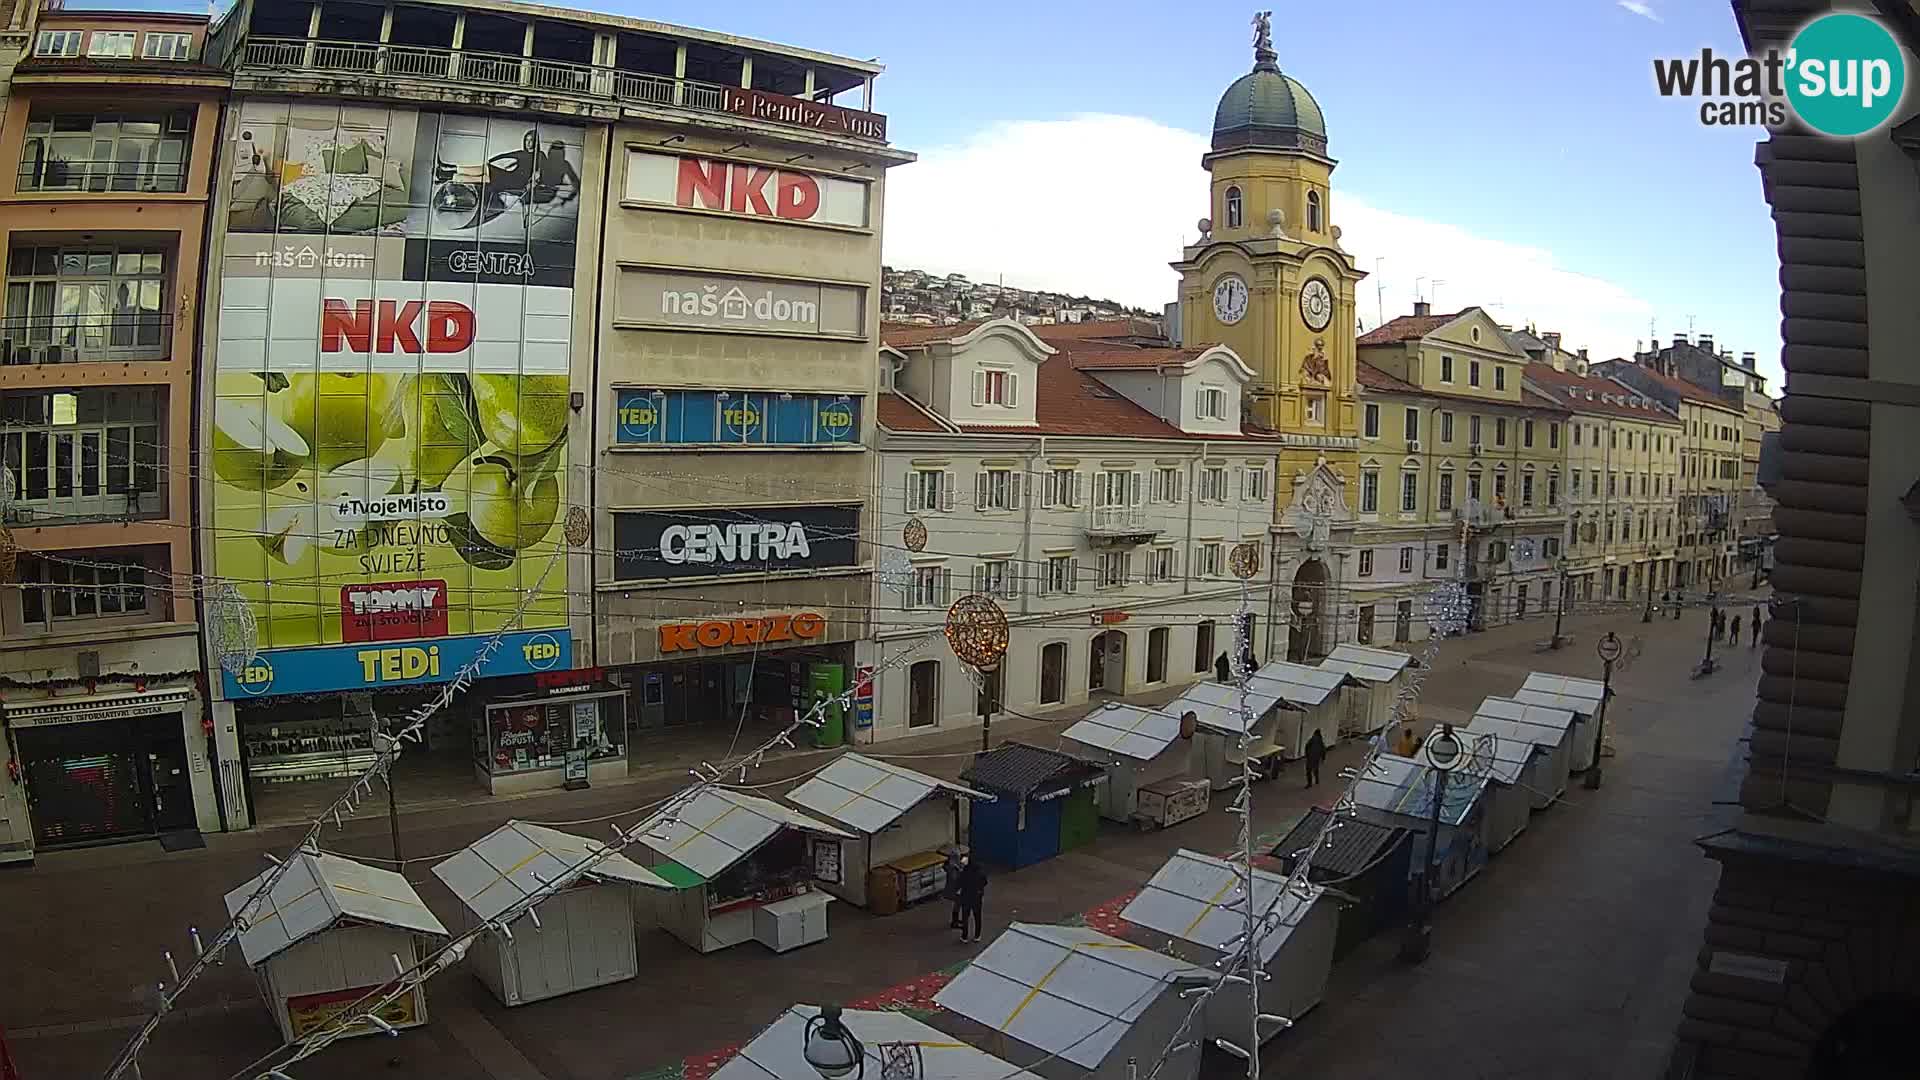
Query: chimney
{"x": 1552, "y": 338}
{"x": 1583, "y": 356}
{"x": 1422, "y": 307}
{"x": 1679, "y": 340}
{"x": 1706, "y": 344}
{"x": 1746, "y": 360}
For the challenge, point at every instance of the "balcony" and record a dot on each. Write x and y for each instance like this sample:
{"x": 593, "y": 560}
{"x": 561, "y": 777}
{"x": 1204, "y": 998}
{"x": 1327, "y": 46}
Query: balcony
{"x": 1480, "y": 515}
{"x": 103, "y": 176}
{"x": 82, "y": 339}
{"x": 268, "y": 56}
{"x": 1110, "y": 525}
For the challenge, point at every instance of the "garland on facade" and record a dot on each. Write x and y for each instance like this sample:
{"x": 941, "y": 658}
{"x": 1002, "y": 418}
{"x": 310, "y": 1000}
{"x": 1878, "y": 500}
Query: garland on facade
{"x": 139, "y": 680}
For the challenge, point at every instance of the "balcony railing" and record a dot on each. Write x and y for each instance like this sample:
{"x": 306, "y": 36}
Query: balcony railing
{"x": 1126, "y": 524}
{"x": 78, "y": 339}
{"x": 431, "y": 64}
{"x": 58, "y": 174}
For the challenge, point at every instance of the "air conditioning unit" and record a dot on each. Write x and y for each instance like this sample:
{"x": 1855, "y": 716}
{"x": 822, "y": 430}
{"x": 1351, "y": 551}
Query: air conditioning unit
{"x": 1413, "y": 446}
{"x": 1474, "y": 449}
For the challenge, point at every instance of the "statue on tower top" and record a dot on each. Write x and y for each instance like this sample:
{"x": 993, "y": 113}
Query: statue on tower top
{"x": 1263, "y": 54}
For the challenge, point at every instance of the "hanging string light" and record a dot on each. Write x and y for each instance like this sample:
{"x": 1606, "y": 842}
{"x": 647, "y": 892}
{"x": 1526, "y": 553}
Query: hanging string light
{"x": 9, "y": 554}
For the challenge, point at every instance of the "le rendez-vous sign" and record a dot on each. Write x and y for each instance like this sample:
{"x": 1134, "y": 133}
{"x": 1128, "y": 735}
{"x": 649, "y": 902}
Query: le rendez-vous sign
{"x": 797, "y": 112}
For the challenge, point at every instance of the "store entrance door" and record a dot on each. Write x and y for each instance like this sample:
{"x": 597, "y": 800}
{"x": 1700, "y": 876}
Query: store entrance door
{"x": 106, "y": 780}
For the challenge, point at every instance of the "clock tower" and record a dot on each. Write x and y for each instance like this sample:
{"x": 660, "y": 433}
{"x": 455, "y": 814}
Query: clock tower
{"x": 1268, "y": 277}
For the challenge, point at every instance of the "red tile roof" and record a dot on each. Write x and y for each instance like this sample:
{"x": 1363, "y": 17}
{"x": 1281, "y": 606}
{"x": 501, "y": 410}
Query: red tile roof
{"x": 1405, "y": 328}
{"x": 1374, "y": 379}
{"x": 1099, "y": 329}
{"x": 1679, "y": 387}
{"x": 907, "y": 335}
{"x": 1557, "y": 384}
{"x": 899, "y": 414}
{"x": 1102, "y": 356}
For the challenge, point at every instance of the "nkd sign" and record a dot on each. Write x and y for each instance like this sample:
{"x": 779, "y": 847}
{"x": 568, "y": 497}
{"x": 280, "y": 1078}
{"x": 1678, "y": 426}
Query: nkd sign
{"x": 712, "y": 542}
{"x": 745, "y": 188}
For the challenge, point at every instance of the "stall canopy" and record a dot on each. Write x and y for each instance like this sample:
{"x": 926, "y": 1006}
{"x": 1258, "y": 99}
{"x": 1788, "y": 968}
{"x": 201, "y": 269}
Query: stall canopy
{"x": 719, "y": 828}
{"x": 1298, "y": 683}
{"x": 1517, "y": 721}
{"x": 1216, "y": 705}
{"x": 1028, "y": 772}
{"x": 1346, "y": 849}
{"x": 1128, "y": 730}
{"x": 778, "y": 1052}
{"x": 515, "y": 860}
{"x": 1403, "y": 786}
{"x": 1189, "y": 898}
{"x": 319, "y": 891}
{"x": 1501, "y": 760}
{"x": 1067, "y": 991}
{"x": 867, "y": 794}
{"x": 1367, "y": 665}
{"x": 1562, "y": 692}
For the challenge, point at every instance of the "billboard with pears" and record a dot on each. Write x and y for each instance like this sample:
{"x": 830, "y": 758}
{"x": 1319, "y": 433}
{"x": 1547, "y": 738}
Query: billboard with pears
{"x": 391, "y": 392}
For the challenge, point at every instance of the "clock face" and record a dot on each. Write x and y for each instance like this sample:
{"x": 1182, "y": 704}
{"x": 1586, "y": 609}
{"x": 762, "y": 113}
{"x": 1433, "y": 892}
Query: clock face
{"x": 1316, "y": 304}
{"x": 1230, "y": 299}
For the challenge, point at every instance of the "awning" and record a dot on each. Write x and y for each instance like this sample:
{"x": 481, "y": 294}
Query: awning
{"x": 97, "y": 707}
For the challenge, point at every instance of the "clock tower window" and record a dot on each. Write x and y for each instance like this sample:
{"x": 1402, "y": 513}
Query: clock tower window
{"x": 1313, "y": 212}
{"x": 1234, "y": 210}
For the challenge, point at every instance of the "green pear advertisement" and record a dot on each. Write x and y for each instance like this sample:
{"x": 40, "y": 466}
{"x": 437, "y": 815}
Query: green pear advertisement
{"x": 389, "y": 435}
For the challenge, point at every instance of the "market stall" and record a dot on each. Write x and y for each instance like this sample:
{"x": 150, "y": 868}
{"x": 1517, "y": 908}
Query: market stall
{"x": 779, "y": 1051}
{"x": 1549, "y": 728}
{"x": 1193, "y": 899}
{"x": 1367, "y": 863}
{"x": 1317, "y": 692}
{"x": 1216, "y": 752}
{"x": 1072, "y": 1003}
{"x": 580, "y": 937}
{"x": 1397, "y": 792}
{"x": 327, "y": 934}
{"x": 1581, "y": 697}
{"x": 1382, "y": 675}
{"x": 903, "y": 822}
{"x": 1043, "y": 804}
{"x": 1146, "y": 764}
{"x": 1506, "y": 765}
{"x": 739, "y": 868}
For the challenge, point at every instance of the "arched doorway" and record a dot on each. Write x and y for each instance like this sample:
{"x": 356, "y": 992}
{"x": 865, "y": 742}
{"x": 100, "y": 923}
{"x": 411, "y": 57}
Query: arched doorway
{"x": 1871, "y": 1041}
{"x": 1107, "y": 662}
{"x": 1308, "y": 606}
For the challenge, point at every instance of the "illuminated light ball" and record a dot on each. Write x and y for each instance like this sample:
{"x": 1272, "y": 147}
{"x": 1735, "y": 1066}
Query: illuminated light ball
{"x": 977, "y": 631}
{"x": 579, "y": 527}
{"x": 914, "y": 535}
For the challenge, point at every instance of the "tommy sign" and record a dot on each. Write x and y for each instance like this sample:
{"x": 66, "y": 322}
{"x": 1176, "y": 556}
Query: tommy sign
{"x": 706, "y": 542}
{"x": 744, "y": 188}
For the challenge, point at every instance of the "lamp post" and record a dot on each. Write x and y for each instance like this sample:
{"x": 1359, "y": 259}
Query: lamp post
{"x": 830, "y": 1048}
{"x": 1609, "y": 650}
{"x": 977, "y": 631}
{"x": 1707, "y": 666}
{"x": 1560, "y": 609}
{"x": 1653, "y": 557}
{"x": 1442, "y": 751}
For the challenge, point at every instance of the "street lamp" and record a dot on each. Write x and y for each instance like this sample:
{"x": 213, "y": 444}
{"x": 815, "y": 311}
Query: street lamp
{"x": 830, "y": 1048}
{"x": 1653, "y": 556}
{"x": 1443, "y": 752}
{"x": 1707, "y": 666}
{"x": 1609, "y": 650}
{"x": 1560, "y": 610}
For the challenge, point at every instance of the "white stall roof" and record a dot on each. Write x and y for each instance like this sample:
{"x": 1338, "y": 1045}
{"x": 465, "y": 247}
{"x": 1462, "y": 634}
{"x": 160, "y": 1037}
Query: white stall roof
{"x": 1404, "y": 786}
{"x": 515, "y": 860}
{"x": 1562, "y": 692}
{"x": 1367, "y": 665}
{"x": 1126, "y": 729}
{"x": 720, "y": 827}
{"x": 1216, "y": 705}
{"x": 1542, "y": 725}
{"x": 1187, "y": 899}
{"x": 1506, "y": 759}
{"x": 1065, "y": 990}
{"x": 319, "y": 890}
{"x": 1298, "y": 683}
{"x": 868, "y": 794}
{"x": 778, "y": 1051}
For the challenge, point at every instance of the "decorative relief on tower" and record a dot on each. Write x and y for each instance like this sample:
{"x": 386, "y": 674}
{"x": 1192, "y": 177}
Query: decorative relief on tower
{"x": 1314, "y": 366}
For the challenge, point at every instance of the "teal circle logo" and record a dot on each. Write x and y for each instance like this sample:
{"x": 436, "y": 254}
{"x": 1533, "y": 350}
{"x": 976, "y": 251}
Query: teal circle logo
{"x": 256, "y": 677}
{"x": 1845, "y": 74}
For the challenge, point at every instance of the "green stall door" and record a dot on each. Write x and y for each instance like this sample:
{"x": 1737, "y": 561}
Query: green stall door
{"x": 826, "y": 682}
{"x": 1079, "y": 819}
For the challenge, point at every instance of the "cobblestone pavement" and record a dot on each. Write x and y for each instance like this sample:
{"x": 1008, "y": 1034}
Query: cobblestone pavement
{"x": 1568, "y": 957}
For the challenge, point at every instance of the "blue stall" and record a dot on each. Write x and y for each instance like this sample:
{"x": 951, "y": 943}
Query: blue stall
{"x": 1039, "y": 798}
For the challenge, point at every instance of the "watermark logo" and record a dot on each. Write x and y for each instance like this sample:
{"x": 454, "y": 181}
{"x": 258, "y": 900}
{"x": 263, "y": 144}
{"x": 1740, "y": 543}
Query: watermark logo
{"x": 1842, "y": 75}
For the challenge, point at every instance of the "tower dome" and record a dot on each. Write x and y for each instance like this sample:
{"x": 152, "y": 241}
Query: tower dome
{"x": 1267, "y": 110}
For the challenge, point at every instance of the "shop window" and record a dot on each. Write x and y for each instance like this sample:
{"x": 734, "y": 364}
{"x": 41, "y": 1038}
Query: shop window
{"x": 1203, "y": 646}
{"x": 1403, "y": 622}
{"x": 1364, "y": 632}
{"x": 1053, "y": 673}
{"x": 541, "y": 733}
{"x": 1157, "y": 654}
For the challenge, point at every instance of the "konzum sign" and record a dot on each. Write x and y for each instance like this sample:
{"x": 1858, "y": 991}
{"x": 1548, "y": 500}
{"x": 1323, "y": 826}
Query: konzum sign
{"x": 726, "y": 633}
{"x": 744, "y": 188}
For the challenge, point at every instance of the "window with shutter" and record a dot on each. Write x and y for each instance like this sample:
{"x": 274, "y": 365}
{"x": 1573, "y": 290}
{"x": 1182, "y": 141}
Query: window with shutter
{"x": 980, "y": 490}
{"x": 1013, "y": 389}
{"x": 979, "y": 388}
{"x": 1134, "y": 485}
{"x": 1013, "y": 489}
{"x": 946, "y": 490}
{"x": 914, "y": 481}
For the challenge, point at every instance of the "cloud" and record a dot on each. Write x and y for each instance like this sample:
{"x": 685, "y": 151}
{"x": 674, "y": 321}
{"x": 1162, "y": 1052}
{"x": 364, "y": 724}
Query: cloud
{"x": 1099, "y": 204}
{"x": 1640, "y": 9}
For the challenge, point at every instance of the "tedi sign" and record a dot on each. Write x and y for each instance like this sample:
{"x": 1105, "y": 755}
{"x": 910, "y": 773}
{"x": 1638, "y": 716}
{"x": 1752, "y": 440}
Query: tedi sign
{"x": 1843, "y": 75}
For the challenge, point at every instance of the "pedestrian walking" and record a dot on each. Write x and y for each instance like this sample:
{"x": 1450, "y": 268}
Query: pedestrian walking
{"x": 1717, "y": 623}
{"x": 1406, "y": 742}
{"x": 1733, "y": 637}
{"x": 1221, "y": 669}
{"x": 1756, "y": 626}
{"x": 953, "y": 885}
{"x": 972, "y": 893}
{"x": 1316, "y": 753}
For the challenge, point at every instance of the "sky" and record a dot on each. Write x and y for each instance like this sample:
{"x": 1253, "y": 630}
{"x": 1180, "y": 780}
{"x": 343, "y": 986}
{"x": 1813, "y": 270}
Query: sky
{"x": 1505, "y": 153}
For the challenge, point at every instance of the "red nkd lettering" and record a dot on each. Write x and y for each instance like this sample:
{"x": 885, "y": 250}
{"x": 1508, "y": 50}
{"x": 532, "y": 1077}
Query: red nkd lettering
{"x": 796, "y": 197}
{"x": 702, "y": 185}
{"x": 749, "y": 191}
{"x": 390, "y": 326}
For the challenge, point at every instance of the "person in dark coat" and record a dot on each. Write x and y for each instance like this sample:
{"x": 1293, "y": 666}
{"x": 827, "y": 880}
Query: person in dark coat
{"x": 972, "y": 893}
{"x": 953, "y": 885}
{"x": 1756, "y": 626}
{"x": 1733, "y": 635}
{"x": 1316, "y": 753}
{"x": 1223, "y": 670}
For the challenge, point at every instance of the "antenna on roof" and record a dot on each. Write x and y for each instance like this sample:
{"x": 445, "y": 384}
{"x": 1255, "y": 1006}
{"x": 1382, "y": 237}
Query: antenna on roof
{"x": 1434, "y": 291}
{"x": 1379, "y": 293}
{"x": 1416, "y": 285}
